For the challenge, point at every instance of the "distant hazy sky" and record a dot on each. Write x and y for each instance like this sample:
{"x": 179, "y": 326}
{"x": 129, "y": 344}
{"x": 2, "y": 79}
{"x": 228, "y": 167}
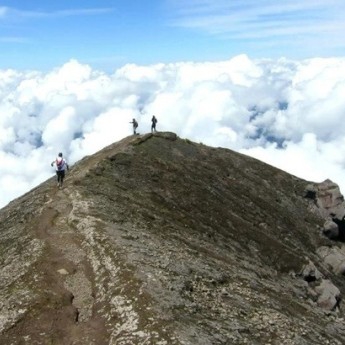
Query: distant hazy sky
{"x": 40, "y": 34}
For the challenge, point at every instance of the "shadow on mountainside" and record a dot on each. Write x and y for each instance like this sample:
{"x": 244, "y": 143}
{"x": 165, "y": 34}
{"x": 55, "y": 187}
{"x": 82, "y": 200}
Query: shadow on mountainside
{"x": 159, "y": 240}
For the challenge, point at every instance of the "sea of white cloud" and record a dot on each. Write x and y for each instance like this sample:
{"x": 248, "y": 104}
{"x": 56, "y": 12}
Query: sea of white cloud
{"x": 289, "y": 114}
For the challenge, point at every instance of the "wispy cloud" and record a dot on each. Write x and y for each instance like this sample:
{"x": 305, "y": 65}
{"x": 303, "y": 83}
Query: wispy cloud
{"x": 3, "y": 11}
{"x": 13, "y": 39}
{"x": 13, "y": 13}
{"x": 260, "y": 19}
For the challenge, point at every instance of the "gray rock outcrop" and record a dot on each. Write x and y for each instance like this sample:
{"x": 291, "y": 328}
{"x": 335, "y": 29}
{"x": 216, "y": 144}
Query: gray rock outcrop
{"x": 331, "y": 229}
{"x": 334, "y": 257}
{"x": 329, "y": 202}
{"x": 328, "y": 295}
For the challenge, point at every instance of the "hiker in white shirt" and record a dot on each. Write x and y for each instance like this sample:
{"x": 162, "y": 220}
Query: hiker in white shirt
{"x": 60, "y": 165}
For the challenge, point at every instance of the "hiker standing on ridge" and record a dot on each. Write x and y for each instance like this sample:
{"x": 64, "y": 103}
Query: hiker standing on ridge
{"x": 154, "y": 122}
{"x": 61, "y": 166}
{"x": 135, "y": 126}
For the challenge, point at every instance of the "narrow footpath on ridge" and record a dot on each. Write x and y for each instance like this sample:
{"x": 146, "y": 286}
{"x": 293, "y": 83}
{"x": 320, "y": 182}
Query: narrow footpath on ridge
{"x": 66, "y": 275}
{"x": 86, "y": 291}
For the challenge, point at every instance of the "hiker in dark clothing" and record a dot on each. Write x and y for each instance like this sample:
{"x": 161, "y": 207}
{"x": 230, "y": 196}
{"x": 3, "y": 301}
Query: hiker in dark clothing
{"x": 154, "y": 122}
{"x": 135, "y": 126}
{"x": 60, "y": 165}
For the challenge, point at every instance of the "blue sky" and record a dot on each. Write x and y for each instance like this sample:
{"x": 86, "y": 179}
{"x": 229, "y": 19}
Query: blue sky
{"x": 108, "y": 34}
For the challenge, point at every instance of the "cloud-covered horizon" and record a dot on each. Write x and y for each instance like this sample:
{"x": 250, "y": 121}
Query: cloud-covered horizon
{"x": 286, "y": 113}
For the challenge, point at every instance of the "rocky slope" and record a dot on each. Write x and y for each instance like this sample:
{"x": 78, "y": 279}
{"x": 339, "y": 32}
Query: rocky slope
{"x": 159, "y": 240}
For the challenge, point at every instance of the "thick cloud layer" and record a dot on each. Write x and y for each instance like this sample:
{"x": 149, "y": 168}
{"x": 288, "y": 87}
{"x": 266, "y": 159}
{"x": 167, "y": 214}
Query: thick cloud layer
{"x": 287, "y": 113}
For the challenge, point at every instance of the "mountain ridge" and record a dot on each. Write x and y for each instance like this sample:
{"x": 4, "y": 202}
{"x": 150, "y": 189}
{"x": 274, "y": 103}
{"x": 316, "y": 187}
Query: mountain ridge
{"x": 159, "y": 240}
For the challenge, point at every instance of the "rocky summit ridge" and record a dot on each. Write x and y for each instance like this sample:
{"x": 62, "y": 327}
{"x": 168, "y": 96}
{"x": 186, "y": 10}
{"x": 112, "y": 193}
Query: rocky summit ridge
{"x": 159, "y": 240}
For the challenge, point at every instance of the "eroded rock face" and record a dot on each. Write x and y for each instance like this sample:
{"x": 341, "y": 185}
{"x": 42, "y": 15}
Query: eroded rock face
{"x": 334, "y": 257}
{"x": 331, "y": 230}
{"x": 310, "y": 273}
{"x": 159, "y": 240}
{"x": 329, "y": 201}
{"x": 329, "y": 295}
{"x": 329, "y": 204}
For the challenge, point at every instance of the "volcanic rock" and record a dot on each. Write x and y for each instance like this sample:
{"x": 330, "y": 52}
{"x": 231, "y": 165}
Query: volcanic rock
{"x": 159, "y": 240}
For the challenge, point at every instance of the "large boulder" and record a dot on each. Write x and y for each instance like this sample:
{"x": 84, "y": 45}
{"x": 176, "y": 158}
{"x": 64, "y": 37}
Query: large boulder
{"x": 310, "y": 273}
{"x": 334, "y": 257}
{"x": 331, "y": 230}
{"x": 329, "y": 202}
{"x": 328, "y": 295}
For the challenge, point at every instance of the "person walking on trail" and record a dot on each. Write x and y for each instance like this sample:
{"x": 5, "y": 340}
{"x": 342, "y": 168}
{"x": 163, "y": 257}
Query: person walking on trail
{"x": 135, "y": 126}
{"x": 60, "y": 166}
{"x": 154, "y": 122}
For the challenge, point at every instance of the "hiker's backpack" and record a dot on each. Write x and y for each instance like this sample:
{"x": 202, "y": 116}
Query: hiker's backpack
{"x": 59, "y": 164}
